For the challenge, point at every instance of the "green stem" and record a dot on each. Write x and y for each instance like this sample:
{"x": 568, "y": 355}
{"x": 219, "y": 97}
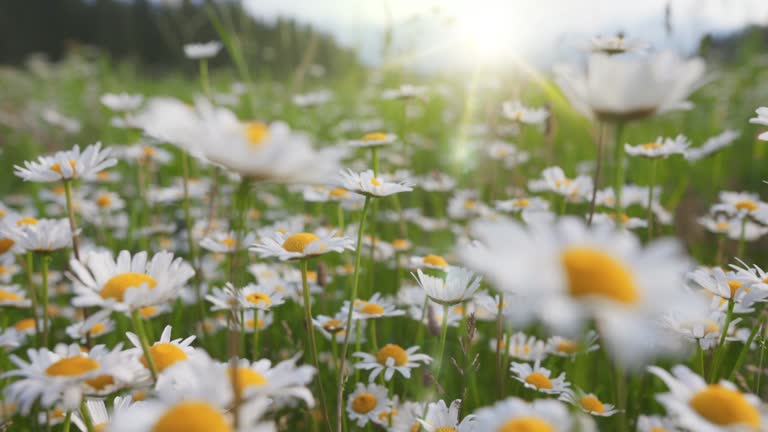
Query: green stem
{"x": 375, "y": 160}
{"x": 348, "y": 327}
{"x": 619, "y": 185}
{"x": 443, "y": 337}
{"x": 204, "y": 77}
{"x": 311, "y": 336}
{"x": 650, "y": 198}
{"x": 374, "y": 338}
{"x": 621, "y": 397}
{"x": 138, "y": 326}
{"x": 33, "y": 292}
{"x": 86, "y": 416}
{"x": 72, "y": 222}
{"x": 255, "y": 351}
{"x": 67, "y": 421}
{"x": 759, "y": 371}
{"x": 499, "y": 342}
{"x": 745, "y": 349}
{"x": 699, "y": 358}
{"x": 742, "y": 237}
{"x": 713, "y": 373}
{"x": 46, "y": 258}
{"x": 598, "y": 171}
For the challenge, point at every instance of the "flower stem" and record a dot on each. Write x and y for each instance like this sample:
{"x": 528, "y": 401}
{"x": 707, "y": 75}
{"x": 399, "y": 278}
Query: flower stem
{"x": 72, "y": 222}
{"x": 499, "y": 342}
{"x": 256, "y": 333}
{"x": 721, "y": 344}
{"x": 67, "y": 421}
{"x": 443, "y": 336}
{"x": 46, "y": 258}
{"x": 138, "y": 326}
{"x": 619, "y": 186}
{"x": 33, "y": 292}
{"x": 311, "y": 336}
{"x": 86, "y": 416}
{"x": 204, "y": 77}
{"x": 348, "y": 327}
{"x": 743, "y": 237}
{"x": 650, "y": 198}
{"x": 598, "y": 171}
{"x": 190, "y": 236}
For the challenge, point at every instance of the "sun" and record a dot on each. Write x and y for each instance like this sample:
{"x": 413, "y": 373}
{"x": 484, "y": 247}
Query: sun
{"x": 485, "y": 35}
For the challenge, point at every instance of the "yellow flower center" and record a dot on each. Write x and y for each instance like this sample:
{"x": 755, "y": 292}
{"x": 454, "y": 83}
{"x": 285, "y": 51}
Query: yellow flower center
{"x": 567, "y": 346}
{"x": 372, "y": 309}
{"x": 468, "y": 204}
{"x": 101, "y": 382}
{"x": 192, "y": 416}
{"x": 526, "y": 424}
{"x": 747, "y": 205}
{"x": 148, "y": 311}
{"x": 375, "y": 136}
{"x": 651, "y": 146}
{"x": 364, "y": 403}
{"x": 590, "y": 272}
{"x": 725, "y": 407}
{"x": 435, "y": 260}
{"x": 249, "y": 323}
{"x": 101, "y": 427}
{"x": 446, "y": 429}
{"x": 387, "y": 415}
{"x": 522, "y": 202}
{"x": 539, "y": 380}
{"x": 297, "y": 242}
{"x": 117, "y": 285}
{"x": 57, "y": 167}
{"x": 97, "y": 329}
{"x": 25, "y": 324}
{"x": 164, "y": 355}
{"x": 592, "y": 404}
{"x": 257, "y": 298}
{"x": 5, "y": 245}
{"x": 711, "y": 327}
{"x": 247, "y": 378}
{"x": 256, "y": 133}
{"x": 333, "y": 325}
{"x": 104, "y": 201}
{"x": 149, "y": 151}
{"x": 722, "y": 226}
{"x": 26, "y": 221}
{"x": 734, "y": 286}
{"x": 400, "y": 244}
{"x": 394, "y": 352}
{"x": 338, "y": 193}
{"x": 72, "y": 366}
{"x": 229, "y": 242}
{"x": 9, "y": 296}
{"x": 375, "y": 181}
{"x": 102, "y": 175}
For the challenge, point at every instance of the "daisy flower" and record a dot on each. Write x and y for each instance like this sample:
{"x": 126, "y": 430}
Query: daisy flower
{"x": 458, "y": 286}
{"x": 565, "y": 347}
{"x": 165, "y": 352}
{"x": 761, "y": 119}
{"x": 44, "y": 235}
{"x": 568, "y": 274}
{"x": 366, "y": 403}
{"x": 704, "y": 407}
{"x": 201, "y": 51}
{"x": 405, "y": 91}
{"x": 616, "y": 44}
{"x": 66, "y": 165}
{"x": 8, "y": 268}
{"x": 374, "y": 139}
{"x": 391, "y": 358}
{"x": 554, "y": 180}
{"x": 98, "y": 414}
{"x": 13, "y": 295}
{"x": 711, "y": 146}
{"x": 10, "y": 339}
{"x": 539, "y": 378}
{"x": 655, "y": 424}
{"x": 705, "y": 330}
{"x": 375, "y": 307}
{"x": 334, "y": 328}
{"x": 739, "y": 204}
{"x": 262, "y": 297}
{"x": 628, "y": 87}
{"x": 588, "y": 402}
{"x": 291, "y": 246}
{"x": 66, "y": 374}
{"x": 282, "y": 381}
{"x": 515, "y": 110}
{"x": 254, "y": 318}
{"x": 365, "y": 183}
{"x": 661, "y": 148}
{"x": 96, "y": 325}
{"x": 129, "y": 282}
{"x": 440, "y": 418}
{"x": 726, "y": 285}
{"x": 515, "y": 414}
{"x": 121, "y": 101}
{"x": 405, "y": 416}
{"x": 312, "y": 99}
{"x": 436, "y": 262}
{"x": 226, "y": 242}
{"x": 520, "y": 204}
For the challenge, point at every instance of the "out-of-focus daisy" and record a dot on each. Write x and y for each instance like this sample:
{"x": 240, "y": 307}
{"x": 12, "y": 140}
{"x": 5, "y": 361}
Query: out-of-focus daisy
{"x": 226, "y": 242}
{"x": 121, "y": 101}
{"x": 589, "y": 403}
{"x": 95, "y": 326}
{"x": 718, "y": 283}
{"x": 554, "y": 180}
{"x": 515, "y": 414}
{"x": 565, "y": 347}
{"x": 458, "y": 286}
{"x": 205, "y": 50}
{"x": 98, "y": 414}
{"x": 165, "y": 352}
{"x": 254, "y": 319}
{"x": 708, "y": 407}
{"x": 375, "y": 307}
{"x": 627, "y": 87}
{"x": 66, "y": 374}
{"x": 251, "y": 296}
{"x": 66, "y": 165}
{"x": 610, "y": 220}
{"x": 365, "y": 183}
{"x": 617, "y": 44}
{"x": 405, "y": 91}
{"x": 374, "y": 139}
{"x": 288, "y": 246}
{"x": 441, "y": 417}
{"x": 284, "y": 380}
{"x": 13, "y": 295}
{"x": 8, "y": 267}
{"x": 391, "y": 358}
{"x": 539, "y": 378}
{"x": 711, "y": 146}
{"x": 739, "y": 204}
{"x": 656, "y": 424}
{"x": 661, "y": 148}
{"x": 44, "y": 235}
{"x": 406, "y": 415}
{"x": 334, "y": 327}
{"x": 585, "y": 273}
{"x": 129, "y": 282}
{"x": 520, "y": 204}
{"x": 515, "y": 110}
{"x": 313, "y": 99}
{"x": 761, "y": 119}
{"x": 705, "y": 330}
{"x": 366, "y": 403}
{"x": 430, "y": 261}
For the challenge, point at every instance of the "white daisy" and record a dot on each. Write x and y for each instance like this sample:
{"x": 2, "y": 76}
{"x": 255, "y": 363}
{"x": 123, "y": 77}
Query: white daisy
{"x": 391, "y": 358}
{"x": 98, "y": 414}
{"x": 616, "y": 44}
{"x": 538, "y": 378}
{"x": 430, "y": 261}
{"x": 661, "y": 148}
{"x": 66, "y": 165}
{"x": 704, "y": 407}
{"x": 655, "y": 424}
{"x": 711, "y": 146}
{"x": 374, "y": 139}
{"x": 366, "y": 403}
{"x": 13, "y": 295}
{"x": 458, "y": 286}
{"x": 554, "y": 180}
{"x": 44, "y": 235}
{"x": 761, "y": 119}
{"x": 281, "y": 382}
{"x": 588, "y": 402}
{"x": 365, "y": 183}
{"x": 129, "y": 282}
{"x": 334, "y": 328}
{"x": 8, "y": 267}
{"x": 565, "y": 347}
{"x": 440, "y": 418}
{"x": 226, "y": 242}
{"x": 288, "y": 246}
{"x": 206, "y": 50}
{"x": 515, "y": 110}
{"x": 520, "y": 204}
{"x": 375, "y": 307}
{"x": 121, "y": 101}
{"x": 96, "y": 325}
{"x": 540, "y": 415}
{"x": 165, "y": 352}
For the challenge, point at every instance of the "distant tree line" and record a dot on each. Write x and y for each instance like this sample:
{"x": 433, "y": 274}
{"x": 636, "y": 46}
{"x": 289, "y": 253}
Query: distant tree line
{"x": 153, "y": 33}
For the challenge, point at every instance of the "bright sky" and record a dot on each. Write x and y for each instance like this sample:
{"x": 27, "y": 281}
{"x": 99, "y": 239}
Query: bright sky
{"x": 454, "y": 32}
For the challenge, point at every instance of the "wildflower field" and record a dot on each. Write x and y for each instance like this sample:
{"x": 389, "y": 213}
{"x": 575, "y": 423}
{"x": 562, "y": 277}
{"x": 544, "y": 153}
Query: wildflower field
{"x": 216, "y": 250}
